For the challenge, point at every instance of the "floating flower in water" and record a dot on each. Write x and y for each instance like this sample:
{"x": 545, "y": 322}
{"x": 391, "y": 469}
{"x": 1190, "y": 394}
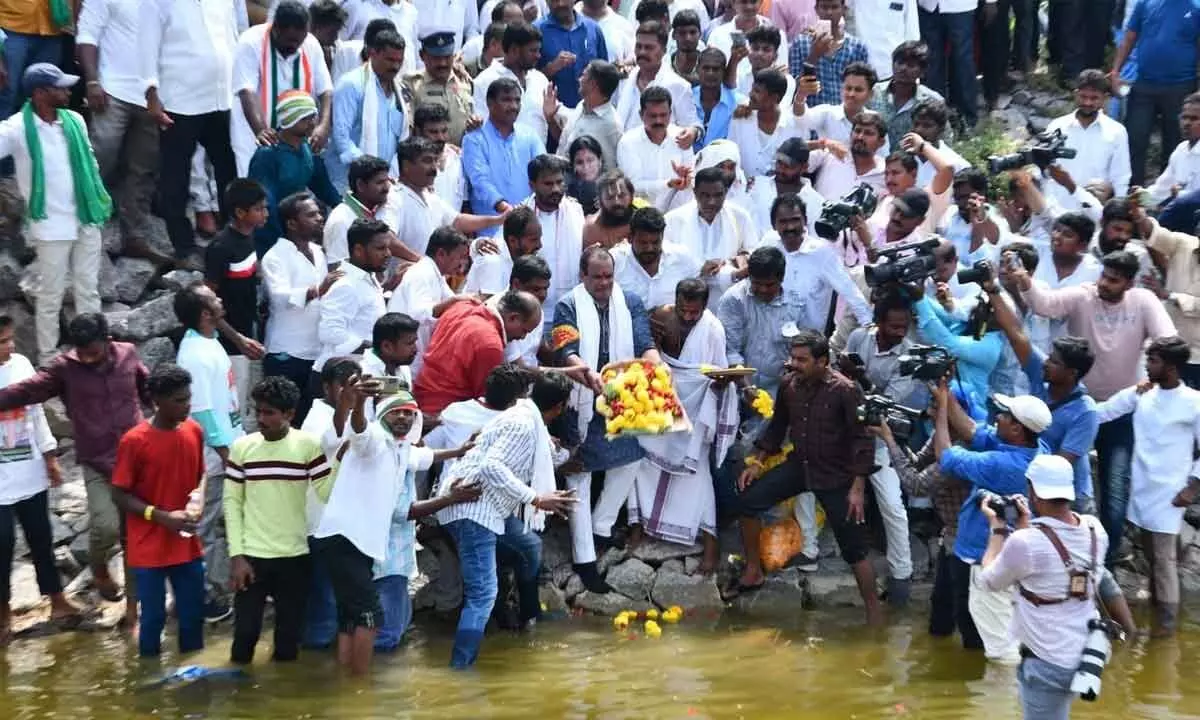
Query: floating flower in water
{"x": 621, "y": 622}
{"x": 672, "y": 615}
{"x": 652, "y": 614}
{"x": 763, "y": 404}
{"x": 652, "y": 629}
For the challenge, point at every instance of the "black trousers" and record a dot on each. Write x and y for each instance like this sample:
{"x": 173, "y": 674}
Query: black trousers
{"x": 34, "y": 515}
{"x": 1079, "y": 34}
{"x": 177, "y": 144}
{"x": 942, "y": 621}
{"x": 286, "y": 581}
{"x": 960, "y": 578}
{"x": 298, "y": 371}
{"x": 994, "y": 50}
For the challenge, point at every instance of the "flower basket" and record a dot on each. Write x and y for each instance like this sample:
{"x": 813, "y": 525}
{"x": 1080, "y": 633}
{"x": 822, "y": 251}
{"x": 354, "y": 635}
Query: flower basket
{"x": 639, "y": 399}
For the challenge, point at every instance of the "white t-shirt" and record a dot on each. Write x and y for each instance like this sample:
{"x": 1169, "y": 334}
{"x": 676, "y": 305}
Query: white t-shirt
{"x": 213, "y": 387}
{"x": 24, "y": 437}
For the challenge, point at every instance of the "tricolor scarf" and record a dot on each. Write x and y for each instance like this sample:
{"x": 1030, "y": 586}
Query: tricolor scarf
{"x": 93, "y": 206}
{"x": 360, "y": 211}
{"x": 268, "y": 89}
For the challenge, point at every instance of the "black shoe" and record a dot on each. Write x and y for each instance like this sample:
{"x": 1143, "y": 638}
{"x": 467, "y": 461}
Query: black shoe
{"x": 216, "y": 611}
{"x": 592, "y": 581}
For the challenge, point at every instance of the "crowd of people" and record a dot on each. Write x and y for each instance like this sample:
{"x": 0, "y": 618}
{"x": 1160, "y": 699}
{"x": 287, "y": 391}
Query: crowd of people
{"x": 426, "y": 228}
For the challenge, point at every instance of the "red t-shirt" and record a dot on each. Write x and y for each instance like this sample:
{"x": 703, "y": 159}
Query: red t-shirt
{"x": 467, "y": 344}
{"x": 159, "y": 467}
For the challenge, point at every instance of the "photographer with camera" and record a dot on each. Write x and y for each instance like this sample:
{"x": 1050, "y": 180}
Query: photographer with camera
{"x": 1101, "y": 144}
{"x": 1031, "y": 213}
{"x": 1055, "y": 563}
{"x": 975, "y": 344}
{"x": 973, "y": 225}
{"x": 900, "y": 176}
{"x": 993, "y": 461}
{"x": 872, "y": 358}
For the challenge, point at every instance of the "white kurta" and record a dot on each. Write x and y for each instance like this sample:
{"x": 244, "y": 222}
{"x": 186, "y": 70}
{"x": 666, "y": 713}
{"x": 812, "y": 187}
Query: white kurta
{"x": 730, "y": 232}
{"x": 421, "y": 290}
{"x": 1166, "y": 428}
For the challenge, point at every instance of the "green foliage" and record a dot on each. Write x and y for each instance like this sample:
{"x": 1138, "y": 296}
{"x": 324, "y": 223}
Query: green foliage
{"x": 989, "y": 137}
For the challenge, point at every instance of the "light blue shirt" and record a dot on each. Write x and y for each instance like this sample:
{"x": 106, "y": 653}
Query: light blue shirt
{"x": 754, "y": 330}
{"x": 976, "y": 358}
{"x": 497, "y": 167}
{"x": 346, "y": 137}
{"x": 716, "y": 127}
{"x": 401, "y": 558}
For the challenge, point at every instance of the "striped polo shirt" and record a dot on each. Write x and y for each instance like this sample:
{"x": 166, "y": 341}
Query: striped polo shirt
{"x": 266, "y": 492}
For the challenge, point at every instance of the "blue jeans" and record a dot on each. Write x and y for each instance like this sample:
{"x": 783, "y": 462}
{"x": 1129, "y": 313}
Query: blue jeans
{"x": 477, "y": 559}
{"x": 21, "y": 51}
{"x": 1045, "y": 690}
{"x": 957, "y": 29}
{"x": 187, "y": 583}
{"x": 1114, "y": 446}
{"x": 320, "y": 623}
{"x": 1183, "y": 213}
{"x": 522, "y": 549}
{"x": 397, "y": 611}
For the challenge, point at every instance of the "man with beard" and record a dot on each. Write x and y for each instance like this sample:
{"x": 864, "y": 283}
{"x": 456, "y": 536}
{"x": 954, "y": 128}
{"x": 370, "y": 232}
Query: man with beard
{"x": 415, "y": 204}
{"x": 900, "y": 175}
{"x": 269, "y": 60}
{"x": 1115, "y": 317}
{"x": 759, "y": 134}
{"x": 597, "y": 323}
{"x": 295, "y": 279}
{"x": 787, "y": 178}
{"x": 674, "y": 480}
{"x": 1181, "y": 176}
{"x": 650, "y": 48}
{"x": 647, "y": 154}
{"x": 570, "y": 41}
{"x": 366, "y": 199}
{"x": 438, "y": 86}
{"x": 1101, "y": 144}
{"x": 561, "y": 219}
{"x": 489, "y": 274}
{"x": 610, "y": 226}
{"x": 522, "y": 49}
{"x": 432, "y": 122}
{"x": 976, "y": 228}
{"x": 897, "y": 98}
{"x": 929, "y": 120}
{"x": 497, "y": 156}
{"x": 649, "y": 267}
{"x": 371, "y": 109}
{"x": 836, "y": 176}
{"x": 1119, "y": 231}
{"x": 424, "y": 293}
{"x": 714, "y": 232}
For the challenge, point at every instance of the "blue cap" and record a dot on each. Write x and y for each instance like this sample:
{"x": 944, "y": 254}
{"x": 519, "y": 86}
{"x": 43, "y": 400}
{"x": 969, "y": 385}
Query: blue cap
{"x": 438, "y": 44}
{"x": 44, "y": 75}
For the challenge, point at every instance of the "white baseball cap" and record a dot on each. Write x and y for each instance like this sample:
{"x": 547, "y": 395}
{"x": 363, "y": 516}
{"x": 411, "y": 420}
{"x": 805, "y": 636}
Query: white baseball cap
{"x": 1052, "y": 477}
{"x": 1025, "y": 409}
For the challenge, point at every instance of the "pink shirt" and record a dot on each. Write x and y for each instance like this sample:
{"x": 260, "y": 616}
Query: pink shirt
{"x": 793, "y": 16}
{"x": 1116, "y": 331}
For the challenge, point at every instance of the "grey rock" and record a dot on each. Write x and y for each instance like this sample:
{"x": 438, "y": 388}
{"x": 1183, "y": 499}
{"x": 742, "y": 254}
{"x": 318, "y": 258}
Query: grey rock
{"x": 1189, "y": 583}
{"x": 1039, "y": 123}
{"x": 609, "y": 604}
{"x": 155, "y": 233}
{"x": 1003, "y": 101}
{"x": 156, "y": 351}
{"x": 824, "y": 591}
{"x": 1188, "y": 536}
{"x": 574, "y": 587}
{"x": 1192, "y": 515}
{"x": 631, "y": 578}
{"x": 691, "y": 565}
{"x": 70, "y": 497}
{"x": 443, "y": 592}
{"x": 115, "y": 307}
{"x": 691, "y": 592}
{"x": 152, "y": 319}
{"x": 23, "y": 333}
{"x": 60, "y": 530}
{"x": 611, "y": 557}
{"x": 1021, "y": 97}
{"x": 25, "y": 593}
{"x": 79, "y": 548}
{"x": 921, "y": 561}
{"x": 780, "y": 596}
{"x": 179, "y": 279}
{"x": 133, "y": 275}
{"x": 562, "y": 574}
{"x": 108, "y": 279}
{"x": 674, "y": 565}
{"x": 10, "y": 276}
{"x": 556, "y": 547}
{"x": 66, "y": 562}
{"x": 110, "y": 237}
{"x": 656, "y": 552}
{"x": 552, "y": 599}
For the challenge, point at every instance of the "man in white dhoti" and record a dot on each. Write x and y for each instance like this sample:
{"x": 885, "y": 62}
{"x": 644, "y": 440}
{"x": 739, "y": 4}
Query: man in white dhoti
{"x": 715, "y": 231}
{"x": 1166, "y": 428}
{"x": 674, "y": 479}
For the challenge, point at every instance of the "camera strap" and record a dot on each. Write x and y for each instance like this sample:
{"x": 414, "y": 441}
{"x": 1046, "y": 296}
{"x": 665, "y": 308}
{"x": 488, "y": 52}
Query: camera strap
{"x": 1077, "y": 579}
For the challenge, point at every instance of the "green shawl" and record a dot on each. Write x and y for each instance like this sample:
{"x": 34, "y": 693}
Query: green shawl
{"x": 93, "y": 206}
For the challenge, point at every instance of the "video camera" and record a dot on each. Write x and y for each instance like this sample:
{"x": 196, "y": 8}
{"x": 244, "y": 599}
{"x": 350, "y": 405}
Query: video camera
{"x": 978, "y": 273}
{"x": 835, "y": 216}
{"x": 1043, "y": 151}
{"x": 926, "y": 362}
{"x": 912, "y": 262}
{"x": 878, "y": 409}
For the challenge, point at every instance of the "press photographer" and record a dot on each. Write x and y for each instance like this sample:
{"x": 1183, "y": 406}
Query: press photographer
{"x": 872, "y": 358}
{"x": 974, "y": 226}
{"x": 1056, "y": 563}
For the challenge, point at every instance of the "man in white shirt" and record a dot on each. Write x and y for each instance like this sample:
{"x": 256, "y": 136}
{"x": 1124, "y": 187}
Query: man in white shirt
{"x": 759, "y": 135}
{"x": 423, "y": 294}
{"x": 882, "y": 25}
{"x": 490, "y": 274}
{"x": 764, "y": 43}
{"x": 366, "y": 199}
{"x": 650, "y": 48}
{"x": 1183, "y": 167}
{"x": 837, "y": 176}
{"x": 187, "y": 72}
{"x": 354, "y": 302}
{"x": 268, "y": 61}
{"x": 460, "y": 17}
{"x": 716, "y": 233}
{"x": 415, "y": 204}
{"x": 561, "y": 219}
{"x": 67, "y": 206}
{"x": 930, "y": 121}
{"x": 649, "y": 154}
{"x": 522, "y": 49}
{"x": 975, "y": 227}
{"x": 1069, "y": 265}
{"x": 295, "y": 279}
{"x": 403, "y": 15}
{"x": 618, "y": 31}
{"x": 432, "y": 122}
{"x": 124, "y": 136}
{"x": 649, "y": 267}
{"x": 787, "y": 178}
{"x": 745, "y": 21}
{"x": 1101, "y": 144}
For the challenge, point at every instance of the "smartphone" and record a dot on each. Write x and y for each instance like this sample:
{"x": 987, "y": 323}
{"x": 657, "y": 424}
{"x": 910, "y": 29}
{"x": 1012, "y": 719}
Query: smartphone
{"x": 823, "y": 27}
{"x": 808, "y": 70}
{"x": 391, "y": 384}
{"x": 739, "y": 38}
